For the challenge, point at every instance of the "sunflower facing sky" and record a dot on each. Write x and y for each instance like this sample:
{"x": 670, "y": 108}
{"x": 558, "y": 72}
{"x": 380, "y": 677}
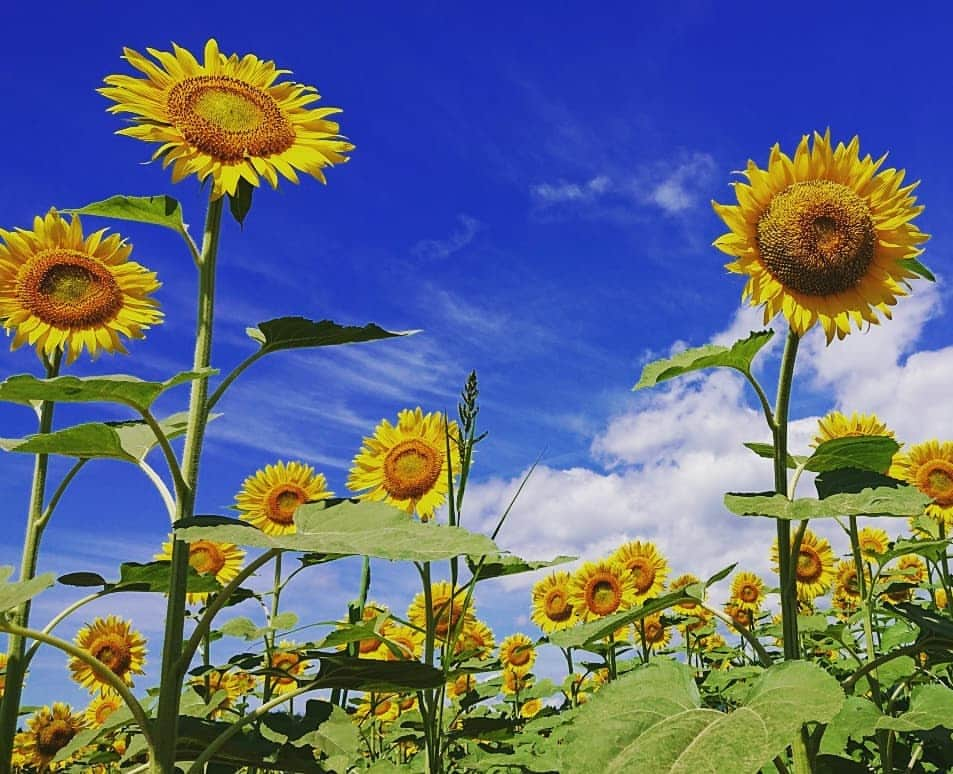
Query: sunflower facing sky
{"x": 551, "y": 609}
{"x": 601, "y": 588}
{"x": 873, "y": 541}
{"x": 207, "y": 557}
{"x": 226, "y": 117}
{"x": 114, "y": 642}
{"x": 269, "y": 498}
{"x": 518, "y": 652}
{"x": 838, "y": 425}
{"x": 929, "y": 467}
{"x": 823, "y": 237}
{"x": 62, "y": 291}
{"x": 406, "y": 464}
{"x": 646, "y": 565}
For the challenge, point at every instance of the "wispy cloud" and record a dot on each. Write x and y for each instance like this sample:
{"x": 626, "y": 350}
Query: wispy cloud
{"x": 439, "y": 249}
{"x": 563, "y": 191}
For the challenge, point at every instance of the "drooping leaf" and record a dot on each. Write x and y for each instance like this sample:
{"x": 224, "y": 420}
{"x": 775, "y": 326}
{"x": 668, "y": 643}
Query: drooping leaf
{"x": 299, "y": 332}
{"x": 239, "y": 204}
{"x": 883, "y": 501}
{"x": 738, "y": 356}
{"x": 14, "y": 594}
{"x": 865, "y": 452}
{"x": 358, "y": 528}
{"x": 157, "y": 210}
{"x": 928, "y": 621}
{"x": 117, "y": 388}
{"x": 506, "y": 564}
{"x": 766, "y": 450}
{"x": 930, "y": 706}
{"x": 336, "y": 739}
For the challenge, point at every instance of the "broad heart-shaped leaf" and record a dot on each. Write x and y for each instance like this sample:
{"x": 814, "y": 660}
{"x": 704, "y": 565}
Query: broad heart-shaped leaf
{"x": 865, "y": 452}
{"x": 117, "y": 388}
{"x": 129, "y": 441}
{"x": 158, "y": 210}
{"x": 738, "y": 356}
{"x": 785, "y": 697}
{"x": 930, "y": 706}
{"x": 882, "y": 501}
{"x": 358, "y": 528}
{"x": 299, "y": 332}
{"x": 14, "y": 594}
{"x": 505, "y": 564}
{"x": 851, "y": 480}
{"x": 856, "y": 720}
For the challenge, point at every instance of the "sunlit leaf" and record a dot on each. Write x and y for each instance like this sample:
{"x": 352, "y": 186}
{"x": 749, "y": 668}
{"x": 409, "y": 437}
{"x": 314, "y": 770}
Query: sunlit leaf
{"x": 14, "y": 594}
{"x": 865, "y": 452}
{"x": 856, "y": 720}
{"x": 883, "y": 501}
{"x": 930, "y": 706}
{"x": 298, "y": 332}
{"x": 584, "y": 634}
{"x": 738, "y": 356}
{"x": 766, "y": 450}
{"x": 505, "y": 564}
{"x": 157, "y": 210}
{"x": 156, "y": 576}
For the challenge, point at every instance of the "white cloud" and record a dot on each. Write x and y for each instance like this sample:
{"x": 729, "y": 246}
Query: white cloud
{"x": 680, "y": 191}
{"x": 563, "y": 191}
{"x": 439, "y": 249}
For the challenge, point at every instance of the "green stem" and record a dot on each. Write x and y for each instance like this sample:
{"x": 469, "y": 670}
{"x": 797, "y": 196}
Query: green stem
{"x": 58, "y": 618}
{"x": 270, "y": 634}
{"x": 232, "y": 376}
{"x": 763, "y": 656}
{"x": 59, "y": 491}
{"x": 173, "y": 670}
{"x": 16, "y": 645}
{"x": 182, "y": 489}
{"x": 945, "y": 564}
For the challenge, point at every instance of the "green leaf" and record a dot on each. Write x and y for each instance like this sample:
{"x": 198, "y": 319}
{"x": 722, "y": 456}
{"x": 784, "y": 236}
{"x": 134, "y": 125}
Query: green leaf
{"x": 158, "y": 210}
{"x": 336, "y": 739}
{"x": 917, "y": 268}
{"x": 118, "y": 388}
{"x": 506, "y": 564}
{"x": 882, "y": 501}
{"x": 360, "y": 528}
{"x": 851, "y": 480}
{"x": 156, "y": 576}
{"x": 868, "y": 452}
{"x": 364, "y": 674}
{"x": 720, "y": 575}
{"x": 738, "y": 356}
{"x": 930, "y": 706}
{"x": 766, "y": 450}
{"x": 298, "y": 332}
{"x": 928, "y": 621}
{"x": 585, "y": 634}
{"x": 14, "y": 594}
{"x": 856, "y": 720}
{"x": 129, "y": 441}
{"x": 239, "y": 204}
{"x": 82, "y": 579}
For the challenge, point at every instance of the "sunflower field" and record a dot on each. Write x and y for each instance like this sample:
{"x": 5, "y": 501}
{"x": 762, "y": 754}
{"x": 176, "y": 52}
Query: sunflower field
{"x": 840, "y": 661}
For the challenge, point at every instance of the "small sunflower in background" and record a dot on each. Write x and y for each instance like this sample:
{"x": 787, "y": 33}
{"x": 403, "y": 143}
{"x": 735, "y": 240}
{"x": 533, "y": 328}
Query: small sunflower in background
{"x": 688, "y": 607}
{"x": 531, "y": 708}
{"x": 518, "y": 652}
{"x": 837, "y": 425}
{"x": 285, "y": 659}
{"x": 406, "y": 464}
{"x": 515, "y": 682}
{"x": 476, "y": 639}
{"x": 461, "y": 686}
{"x": 873, "y": 542}
{"x": 825, "y": 237}
{"x": 929, "y": 467}
{"x": 447, "y": 609}
{"x": 207, "y": 557}
{"x": 408, "y": 641}
{"x": 747, "y": 591}
{"x": 100, "y": 708}
{"x": 652, "y": 633}
{"x": 813, "y": 567}
{"x": 382, "y": 707}
{"x": 48, "y": 732}
{"x": 601, "y": 588}
{"x": 61, "y": 291}
{"x": 269, "y": 498}
{"x": 551, "y": 609}
{"x": 116, "y": 644}
{"x": 646, "y": 565}
{"x": 226, "y": 117}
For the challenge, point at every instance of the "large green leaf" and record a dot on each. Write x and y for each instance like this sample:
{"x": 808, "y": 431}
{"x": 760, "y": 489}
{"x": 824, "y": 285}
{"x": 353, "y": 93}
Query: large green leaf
{"x": 158, "y": 210}
{"x": 129, "y": 441}
{"x": 156, "y": 576}
{"x": 856, "y": 720}
{"x": 117, "y": 388}
{"x": 504, "y": 564}
{"x": 785, "y": 697}
{"x": 930, "y": 706}
{"x": 298, "y": 332}
{"x": 882, "y": 501}
{"x": 868, "y": 452}
{"x": 585, "y": 634}
{"x": 359, "y": 528}
{"x": 738, "y": 356}
{"x": 365, "y": 674}
{"x": 14, "y": 594}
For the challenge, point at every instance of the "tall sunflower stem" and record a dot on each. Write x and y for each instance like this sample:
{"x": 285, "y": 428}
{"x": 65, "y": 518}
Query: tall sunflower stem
{"x": 173, "y": 669}
{"x": 16, "y": 643}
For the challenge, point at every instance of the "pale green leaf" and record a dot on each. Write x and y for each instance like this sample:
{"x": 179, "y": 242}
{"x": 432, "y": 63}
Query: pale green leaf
{"x": 930, "y": 706}
{"x": 14, "y": 594}
{"x": 157, "y": 210}
{"x": 882, "y": 501}
{"x": 856, "y": 720}
{"x": 505, "y": 564}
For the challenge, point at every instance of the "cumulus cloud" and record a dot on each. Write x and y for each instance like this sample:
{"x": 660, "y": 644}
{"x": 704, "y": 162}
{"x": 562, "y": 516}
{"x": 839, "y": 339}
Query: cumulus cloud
{"x": 440, "y": 249}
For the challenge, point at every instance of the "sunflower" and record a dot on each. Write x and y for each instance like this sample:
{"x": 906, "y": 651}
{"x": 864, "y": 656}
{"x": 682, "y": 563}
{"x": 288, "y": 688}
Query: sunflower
{"x": 530, "y": 708}
{"x": 515, "y": 682}
{"x": 62, "y": 291}
{"x": 551, "y": 608}
{"x": 100, "y": 708}
{"x": 873, "y": 542}
{"x": 407, "y": 640}
{"x": 446, "y": 609}
{"x": 3, "y": 673}
{"x": 742, "y": 616}
{"x": 372, "y": 647}
{"x": 747, "y": 591}
{"x": 814, "y": 568}
{"x": 844, "y": 605}
{"x": 234, "y": 684}
{"x": 646, "y": 565}
{"x": 461, "y": 686}
{"x": 207, "y": 557}
{"x": 518, "y": 653}
{"x": 688, "y": 607}
{"x": 382, "y": 707}
{"x": 476, "y": 639}
{"x": 823, "y": 237}
{"x": 847, "y": 581}
{"x": 406, "y": 464}
{"x": 838, "y": 425}
{"x": 285, "y": 659}
{"x": 48, "y": 732}
{"x": 929, "y": 467}
{"x": 116, "y": 644}
{"x": 601, "y": 588}
{"x": 652, "y": 633}
{"x": 225, "y": 117}
{"x": 940, "y": 598}
{"x": 269, "y": 498}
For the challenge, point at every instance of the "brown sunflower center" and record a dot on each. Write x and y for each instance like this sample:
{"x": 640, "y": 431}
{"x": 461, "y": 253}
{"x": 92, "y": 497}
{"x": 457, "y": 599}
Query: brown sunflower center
{"x": 557, "y": 606}
{"x": 936, "y": 480}
{"x": 227, "y": 118}
{"x": 850, "y": 584}
{"x": 286, "y": 662}
{"x": 206, "y": 557}
{"x": 817, "y": 237}
{"x": 68, "y": 289}
{"x": 741, "y": 616}
{"x": 113, "y": 651}
{"x": 411, "y": 469}
{"x": 521, "y": 655}
{"x": 446, "y": 614}
{"x": 369, "y": 645}
{"x": 643, "y": 573}
{"x": 654, "y": 632}
{"x": 809, "y": 565}
{"x": 603, "y": 594}
{"x": 749, "y": 593}
{"x": 104, "y": 710}
{"x": 53, "y": 737}
{"x": 283, "y": 501}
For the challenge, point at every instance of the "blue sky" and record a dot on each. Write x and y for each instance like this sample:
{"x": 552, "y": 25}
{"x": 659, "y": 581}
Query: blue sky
{"x": 530, "y": 187}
